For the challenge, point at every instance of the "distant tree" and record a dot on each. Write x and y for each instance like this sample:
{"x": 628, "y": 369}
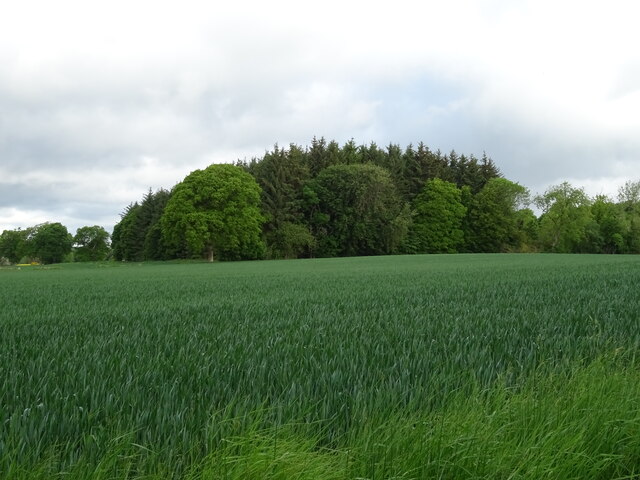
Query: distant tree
{"x": 420, "y": 165}
{"x": 356, "y": 210}
{"x": 629, "y": 194}
{"x": 319, "y": 157}
{"x": 138, "y": 235}
{"x": 393, "y": 162}
{"x": 629, "y": 201}
{"x": 372, "y": 154}
{"x": 127, "y": 240}
{"x": 92, "y": 244}
{"x": 13, "y": 244}
{"x": 350, "y": 154}
{"x": 526, "y": 230}
{"x": 51, "y": 242}
{"x": 608, "y": 227}
{"x": 437, "y": 221}
{"x": 565, "y": 217}
{"x": 282, "y": 174}
{"x": 493, "y": 216}
{"x": 151, "y": 210}
{"x": 291, "y": 240}
{"x": 215, "y": 212}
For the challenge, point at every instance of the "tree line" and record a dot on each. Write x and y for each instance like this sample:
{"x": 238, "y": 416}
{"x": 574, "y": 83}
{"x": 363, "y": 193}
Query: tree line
{"x": 52, "y": 243}
{"x": 328, "y": 200}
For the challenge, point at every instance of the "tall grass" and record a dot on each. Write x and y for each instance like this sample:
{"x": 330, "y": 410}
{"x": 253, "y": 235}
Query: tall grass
{"x": 473, "y": 366}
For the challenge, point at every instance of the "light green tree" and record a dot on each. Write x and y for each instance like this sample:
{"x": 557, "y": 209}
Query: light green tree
{"x": 215, "y": 212}
{"x": 438, "y": 216}
{"x": 565, "y": 217}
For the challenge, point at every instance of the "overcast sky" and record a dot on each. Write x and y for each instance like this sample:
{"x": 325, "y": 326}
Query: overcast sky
{"x": 99, "y": 101}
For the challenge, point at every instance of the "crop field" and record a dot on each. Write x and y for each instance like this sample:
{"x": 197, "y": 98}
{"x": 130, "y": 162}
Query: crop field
{"x": 461, "y": 366}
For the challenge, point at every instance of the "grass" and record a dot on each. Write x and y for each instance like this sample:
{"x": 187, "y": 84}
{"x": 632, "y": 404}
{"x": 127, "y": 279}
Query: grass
{"x": 467, "y": 366}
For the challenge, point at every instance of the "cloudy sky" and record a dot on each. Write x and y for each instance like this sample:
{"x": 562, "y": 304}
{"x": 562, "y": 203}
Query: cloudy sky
{"x": 99, "y": 101}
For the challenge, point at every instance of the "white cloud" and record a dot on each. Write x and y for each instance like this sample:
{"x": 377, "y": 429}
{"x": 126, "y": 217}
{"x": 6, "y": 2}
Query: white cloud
{"x": 128, "y": 95}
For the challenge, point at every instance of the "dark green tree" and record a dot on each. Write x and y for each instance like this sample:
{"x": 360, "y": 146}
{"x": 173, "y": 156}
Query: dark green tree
{"x": 127, "y": 240}
{"x": 437, "y": 220}
{"x": 421, "y": 164}
{"x": 319, "y": 157}
{"x": 138, "y": 235}
{"x": 350, "y": 153}
{"x": 356, "y": 210}
{"x": 215, "y": 212}
{"x": 291, "y": 240}
{"x": 51, "y": 242}
{"x": 526, "y": 231}
{"x": 13, "y": 244}
{"x": 629, "y": 201}
{"x": 151, "y": 210}
{"x": 92, "y": 244}
{"x": 282, "y": 174}
{"x": 372, "y": 154}
{"x": 493, "y": 217}
{"x": 608, "y": 227}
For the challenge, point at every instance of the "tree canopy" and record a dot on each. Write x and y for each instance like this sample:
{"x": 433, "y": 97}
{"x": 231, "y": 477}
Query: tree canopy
{"x": 92, "y": 244}
{"x": 215, "y": 212}
{"x": 50, "y": 242}
{"x": 356, "y": 210}
{"x": 438, "y": 216}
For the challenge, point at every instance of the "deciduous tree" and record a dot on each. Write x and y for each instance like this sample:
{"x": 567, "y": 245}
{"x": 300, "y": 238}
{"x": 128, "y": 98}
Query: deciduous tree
{"x": 92, "y": 244}
{"x": 493, "y": 219}
{"x": 51, "y": 242}
{"x": 437, "y": 221}
{"x": 565, "y": 217}
{"x": 215, "y": 212}
{"x": 13, "y": 244}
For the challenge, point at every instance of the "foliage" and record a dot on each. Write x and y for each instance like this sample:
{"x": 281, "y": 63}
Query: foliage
{"x": 565, "y": 217}
{"x": 215, "y": 212}
{"x": 138, "y": 234}
{"x": 50, "y": 242}
{"x": 629, "y": 200}
{"x": 92, "y": 244}
{"x": 608, "y": 226}
{"x": 437, "y": 222}
{"x": 282, "y": 174}
{"x": 493, "y": 216}
{"x": 355, "y": 210}
{"x": 13, "y": 244}
{"x": 291, "y": 240}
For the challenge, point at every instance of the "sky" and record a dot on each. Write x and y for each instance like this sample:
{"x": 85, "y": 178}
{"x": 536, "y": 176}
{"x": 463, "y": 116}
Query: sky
{"x": 100, "y": 101}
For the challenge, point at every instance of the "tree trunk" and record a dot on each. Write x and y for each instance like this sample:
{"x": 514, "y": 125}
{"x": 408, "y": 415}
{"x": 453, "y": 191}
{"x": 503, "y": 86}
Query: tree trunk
{"x": 210, "y": 254}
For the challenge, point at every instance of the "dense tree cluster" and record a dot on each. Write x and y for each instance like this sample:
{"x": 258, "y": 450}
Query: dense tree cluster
{"x": 52, "y": 243}
{"x": 329, "y": 200}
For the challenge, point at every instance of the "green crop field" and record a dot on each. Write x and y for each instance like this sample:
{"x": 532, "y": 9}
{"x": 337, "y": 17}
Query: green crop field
{"x": 465, "y": 366}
